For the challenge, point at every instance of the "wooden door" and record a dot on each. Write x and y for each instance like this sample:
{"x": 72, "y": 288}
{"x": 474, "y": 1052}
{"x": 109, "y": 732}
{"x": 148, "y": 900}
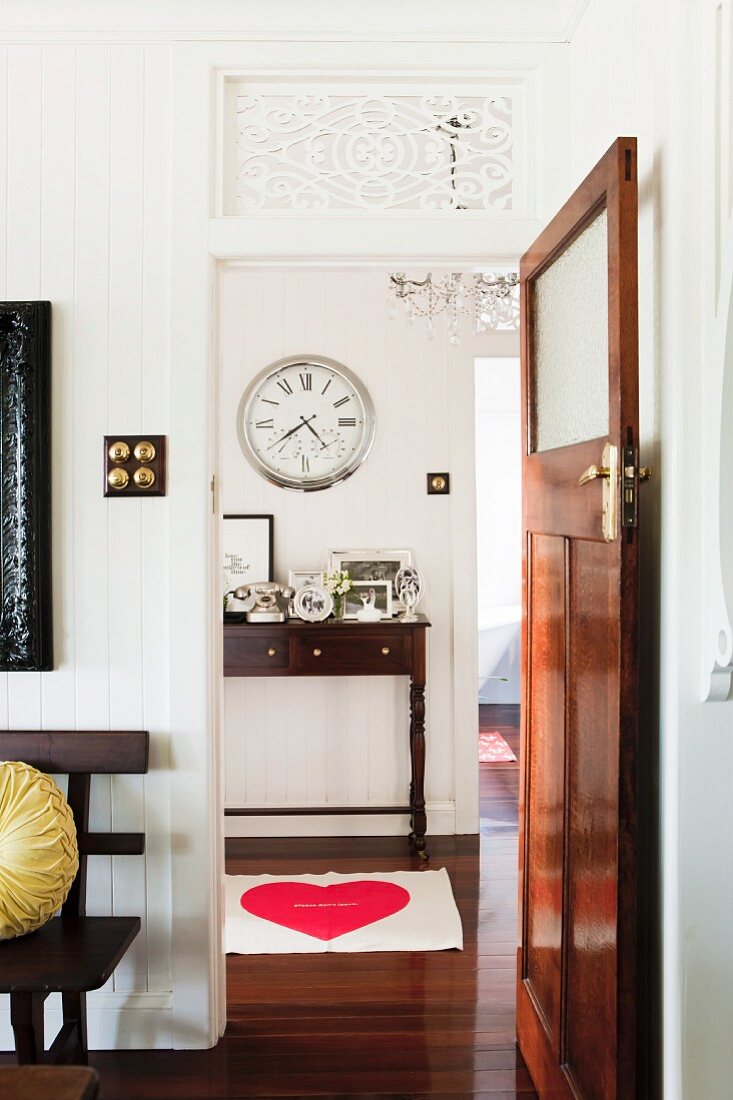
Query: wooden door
{"x": 576, "y": 961}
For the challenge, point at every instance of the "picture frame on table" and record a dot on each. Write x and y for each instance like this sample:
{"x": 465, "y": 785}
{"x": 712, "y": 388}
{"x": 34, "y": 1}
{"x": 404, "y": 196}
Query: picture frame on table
{"x": 247, "y": 552}
{"x": 383, "y": 598}
{"x": 372, "y": 565}
{"x": 303, "y": 578}
{"x": 299, "y": 578}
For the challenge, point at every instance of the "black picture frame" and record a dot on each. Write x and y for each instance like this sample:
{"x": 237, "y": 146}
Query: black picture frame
{"x": 26, "y": 634}
{"x": 235, "y": 544}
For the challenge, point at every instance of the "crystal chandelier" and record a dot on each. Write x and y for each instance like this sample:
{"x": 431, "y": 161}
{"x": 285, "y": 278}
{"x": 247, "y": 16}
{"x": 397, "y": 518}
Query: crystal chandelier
{"x": 490, "y": 300}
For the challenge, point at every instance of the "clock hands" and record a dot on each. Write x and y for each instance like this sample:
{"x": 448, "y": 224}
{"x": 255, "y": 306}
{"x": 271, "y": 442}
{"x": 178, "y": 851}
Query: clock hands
{"x": 292, "y": 431}
{"x": 315, "y": 433}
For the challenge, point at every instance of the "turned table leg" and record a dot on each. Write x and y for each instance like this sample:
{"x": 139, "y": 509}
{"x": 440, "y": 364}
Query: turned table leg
{"x": 418, "y": 818}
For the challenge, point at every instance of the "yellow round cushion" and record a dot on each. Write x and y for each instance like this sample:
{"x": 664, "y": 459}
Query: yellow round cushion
{"x": 39, "y": 856}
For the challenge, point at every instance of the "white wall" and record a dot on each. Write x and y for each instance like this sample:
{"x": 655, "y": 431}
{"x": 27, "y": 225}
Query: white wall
{"x": 293, "y": 742}
{"x": 656, "y": 77}
{"x": 498, "y": 527}
{"x": 84, "y": 134}
{"x": 106, "y": 207}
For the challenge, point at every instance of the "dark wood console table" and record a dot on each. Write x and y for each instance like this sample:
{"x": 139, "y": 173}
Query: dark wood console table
{"x": 387, "y": 648}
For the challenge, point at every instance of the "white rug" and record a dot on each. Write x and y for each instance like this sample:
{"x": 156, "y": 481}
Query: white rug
{"x": 402, "y": 911}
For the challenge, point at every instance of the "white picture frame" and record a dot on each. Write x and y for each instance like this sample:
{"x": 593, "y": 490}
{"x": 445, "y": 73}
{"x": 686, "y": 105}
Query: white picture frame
{"x": 372, "y": 565}
{"x": 302, "y": 578}
{"x": 299, "y": 578}
{"x": 353, "y": 601}
{"x": 313, "y": 604}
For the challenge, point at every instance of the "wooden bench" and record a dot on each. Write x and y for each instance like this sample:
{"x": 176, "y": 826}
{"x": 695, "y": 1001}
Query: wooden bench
{"x": 48, "y": 1083}
{"x": 72, "y": 953}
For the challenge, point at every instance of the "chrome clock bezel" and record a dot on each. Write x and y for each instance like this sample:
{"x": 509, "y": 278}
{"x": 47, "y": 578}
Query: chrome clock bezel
{"x": 296, "y": 483}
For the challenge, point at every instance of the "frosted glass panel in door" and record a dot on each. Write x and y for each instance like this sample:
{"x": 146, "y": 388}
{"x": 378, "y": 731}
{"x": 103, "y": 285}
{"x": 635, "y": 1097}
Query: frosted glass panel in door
{"x": 570, "y": 333}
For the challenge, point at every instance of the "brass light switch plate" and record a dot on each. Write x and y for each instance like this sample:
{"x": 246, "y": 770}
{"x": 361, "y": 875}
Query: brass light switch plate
{"x": 439, "y": 484}
{"x": 134, "y": 465}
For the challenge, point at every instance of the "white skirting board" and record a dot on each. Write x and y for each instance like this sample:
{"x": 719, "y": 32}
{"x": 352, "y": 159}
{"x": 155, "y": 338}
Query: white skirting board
{"x": 441, "y": 822}
{"x": 116, "y": 1021}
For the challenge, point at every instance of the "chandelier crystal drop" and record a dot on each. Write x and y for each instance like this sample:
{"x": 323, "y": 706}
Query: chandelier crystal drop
{"x": 490, "y": 300}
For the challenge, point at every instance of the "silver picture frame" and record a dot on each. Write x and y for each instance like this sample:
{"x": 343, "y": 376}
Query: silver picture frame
{"x": 372, "y": 565}
{"x": 299, "y": 578}
{"x": 302, "y": 578}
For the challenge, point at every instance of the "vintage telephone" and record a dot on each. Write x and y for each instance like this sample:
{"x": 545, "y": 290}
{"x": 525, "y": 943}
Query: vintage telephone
{"x": 262, "y": 601}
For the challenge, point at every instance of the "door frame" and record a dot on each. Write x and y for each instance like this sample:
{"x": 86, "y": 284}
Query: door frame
{"x": 198, "y": 241}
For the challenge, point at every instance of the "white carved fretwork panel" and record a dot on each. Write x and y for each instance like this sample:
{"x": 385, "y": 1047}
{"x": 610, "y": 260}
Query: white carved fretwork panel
{"x": 333, "y": 148}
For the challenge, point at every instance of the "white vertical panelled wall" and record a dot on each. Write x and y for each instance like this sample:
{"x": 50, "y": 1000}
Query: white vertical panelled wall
{"x": 84, "y": 216}
{"x": 108, "y": 203}
{"x": 311, "y": 742}
{"x": 664, "y": 74}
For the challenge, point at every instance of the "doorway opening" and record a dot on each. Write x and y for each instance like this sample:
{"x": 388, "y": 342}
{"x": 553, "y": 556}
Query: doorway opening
{"x": 498, "y": 588}
{"x": 296, "y": 746}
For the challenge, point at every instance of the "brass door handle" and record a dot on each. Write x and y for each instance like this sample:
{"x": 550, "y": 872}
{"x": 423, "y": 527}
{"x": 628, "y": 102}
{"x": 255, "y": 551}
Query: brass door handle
{"x": 316, "y": 653}
{"x": 271, "y": 651}
{"x": 385, "y": 650}
{"x": 608, "y": 471}
{"x": 644, "y": 473}
{"x": 592, "y": 473}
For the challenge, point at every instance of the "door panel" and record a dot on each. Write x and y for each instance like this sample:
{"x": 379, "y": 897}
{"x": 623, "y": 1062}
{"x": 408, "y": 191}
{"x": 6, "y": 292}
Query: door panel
{"x": 552, "y": 503}
{"x": 576, "y": 962}
{"x": 547, "y": 782}
{"x": 592, "y": 720}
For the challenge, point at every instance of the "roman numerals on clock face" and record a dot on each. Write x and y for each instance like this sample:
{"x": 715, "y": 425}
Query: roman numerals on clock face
{"x": 306, "y": 425}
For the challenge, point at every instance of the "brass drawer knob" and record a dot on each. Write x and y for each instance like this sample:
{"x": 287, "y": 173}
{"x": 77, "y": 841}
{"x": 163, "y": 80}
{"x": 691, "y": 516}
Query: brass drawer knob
{"x": 271, "y": 651}
{"x": 316, "y": 653}
{"x": 385, "y": 650}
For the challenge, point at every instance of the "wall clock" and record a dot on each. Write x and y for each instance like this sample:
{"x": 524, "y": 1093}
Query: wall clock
{"x": 306, "y": 422}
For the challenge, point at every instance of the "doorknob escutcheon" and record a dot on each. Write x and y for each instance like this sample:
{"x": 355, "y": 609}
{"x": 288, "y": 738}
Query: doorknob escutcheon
{"x": 609, "y": 472}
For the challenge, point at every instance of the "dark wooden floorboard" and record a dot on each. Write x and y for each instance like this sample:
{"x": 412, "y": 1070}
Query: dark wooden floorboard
{"x": 392, "y": 1026}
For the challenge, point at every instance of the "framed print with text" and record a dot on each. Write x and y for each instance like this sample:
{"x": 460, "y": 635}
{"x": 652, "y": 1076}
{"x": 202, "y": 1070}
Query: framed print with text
{"x": 247, "y": 547}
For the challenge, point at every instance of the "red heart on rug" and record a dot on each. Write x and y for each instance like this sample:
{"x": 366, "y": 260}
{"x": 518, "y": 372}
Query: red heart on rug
{"x": 325, "y": 911}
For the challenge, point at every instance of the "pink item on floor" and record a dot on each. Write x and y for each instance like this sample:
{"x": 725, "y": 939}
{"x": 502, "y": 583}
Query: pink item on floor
{"x": 493, "y": 749}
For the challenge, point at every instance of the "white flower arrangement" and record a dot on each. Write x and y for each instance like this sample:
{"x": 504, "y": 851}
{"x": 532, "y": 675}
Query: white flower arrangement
{"x": 337, "y": 583}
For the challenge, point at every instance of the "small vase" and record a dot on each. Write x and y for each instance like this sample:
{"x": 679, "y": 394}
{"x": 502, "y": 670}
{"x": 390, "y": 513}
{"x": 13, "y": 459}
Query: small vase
{"x": 338, "y": 608}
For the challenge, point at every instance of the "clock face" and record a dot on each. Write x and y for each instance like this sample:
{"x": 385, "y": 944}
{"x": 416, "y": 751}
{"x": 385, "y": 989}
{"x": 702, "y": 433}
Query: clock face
{"x": 306, "y": 422}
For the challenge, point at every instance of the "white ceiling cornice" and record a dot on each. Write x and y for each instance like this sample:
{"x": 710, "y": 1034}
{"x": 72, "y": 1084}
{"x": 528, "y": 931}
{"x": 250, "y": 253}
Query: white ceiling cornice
{"x": 291, "y": 20}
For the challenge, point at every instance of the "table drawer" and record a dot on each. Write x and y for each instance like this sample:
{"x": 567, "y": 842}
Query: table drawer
{"x": 255, "y": 653}
{"x": 373, "y": 655}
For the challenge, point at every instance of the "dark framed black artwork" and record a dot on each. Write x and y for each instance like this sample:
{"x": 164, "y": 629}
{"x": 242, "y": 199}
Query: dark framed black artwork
{"x": 26, "y": 640}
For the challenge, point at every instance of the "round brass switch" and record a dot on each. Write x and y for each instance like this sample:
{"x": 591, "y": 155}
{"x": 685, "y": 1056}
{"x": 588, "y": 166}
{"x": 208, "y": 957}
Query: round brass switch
{"x": 144, "y": 451}
{"x": 119, "y": 452}
{"x": 118, "y": 478}
{"x": 143, "y": 477}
